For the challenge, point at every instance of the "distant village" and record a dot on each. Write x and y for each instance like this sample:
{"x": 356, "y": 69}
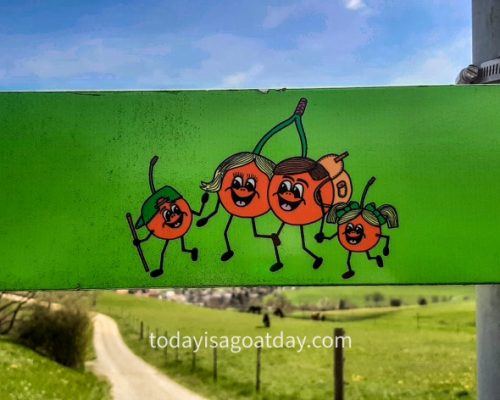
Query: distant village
{"x": 242, "y": 298}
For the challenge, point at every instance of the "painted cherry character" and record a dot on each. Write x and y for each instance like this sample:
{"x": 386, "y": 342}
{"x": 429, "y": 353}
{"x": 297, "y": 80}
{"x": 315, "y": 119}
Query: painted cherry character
{"x": 242, "y": 181}
{"x": 360, "y": 228}
{"x": 300, "y": 193}
{"x": 303, "y": 191}
{"x": 167, "y": 216}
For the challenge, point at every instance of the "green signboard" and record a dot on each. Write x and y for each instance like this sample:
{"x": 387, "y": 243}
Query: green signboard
{"x": 233, "y": 188}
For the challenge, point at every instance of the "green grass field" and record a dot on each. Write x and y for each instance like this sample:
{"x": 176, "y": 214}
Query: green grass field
{"x": 329, "y": 297}
{"x": 25, "y": 374}
{"x": 395, "y": 356}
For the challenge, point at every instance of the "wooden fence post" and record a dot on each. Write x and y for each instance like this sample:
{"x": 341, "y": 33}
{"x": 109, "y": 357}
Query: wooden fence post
{"x": 215, "y": 364}
{"x": 338, "y": 365}
{"x": 141, "y": 331}
{"x": 166, "y": 347}
{"x": 257, "y": 379}
{"x": 193, "y": 359}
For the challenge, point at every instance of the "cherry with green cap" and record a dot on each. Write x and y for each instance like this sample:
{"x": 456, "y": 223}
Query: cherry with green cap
{"x": 167, "y": 216}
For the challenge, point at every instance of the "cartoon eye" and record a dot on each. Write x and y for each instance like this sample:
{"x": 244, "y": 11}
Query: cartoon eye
{"x": 359, "y": 228}
{"x": 286, "y": 186}
{"x": 250, "y": 185}
{"x": 298, "y": 190}
{"x": 166, "y": 215}
{"x": 237, "y": 182}
{"x": 176, "y": 209}
{"x": 349, "y": 228}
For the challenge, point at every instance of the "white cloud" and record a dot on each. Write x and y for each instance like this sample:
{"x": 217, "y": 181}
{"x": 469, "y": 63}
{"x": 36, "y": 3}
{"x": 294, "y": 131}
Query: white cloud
{"x": 277, "y": 15}
{"x": 239, "y": 79}
{"x": 354, "y": 4}
{"x": 78, "y": 59}
{"x": 316, "y": 58}
{"x": 434, "y": 65}
{"x": 89, "y": 56}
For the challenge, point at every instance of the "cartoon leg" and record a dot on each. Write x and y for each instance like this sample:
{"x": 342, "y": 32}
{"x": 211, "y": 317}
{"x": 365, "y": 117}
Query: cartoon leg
{"x": 203, "y": 221}
{"x": 275, "y": 238}
{"x": 386, "y": 247}
{"x": 193, "y": 251}
{"x": 320, "y": 236}
{"x": 257, "y": 234}
{"x": 380, "y": 262}
{"x": 276, "y": 242}
{"x": 204, "y": 199}
{"x": 229, "y": 253}
{"x": 157, "y": 272}
{"x": 349, "y": 273}
{"x": 317, "y": 260}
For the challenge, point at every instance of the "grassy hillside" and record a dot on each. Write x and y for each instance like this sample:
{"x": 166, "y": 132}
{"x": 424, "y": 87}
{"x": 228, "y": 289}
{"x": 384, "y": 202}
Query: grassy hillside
{"x": 395, "y": 356}
{"x": 27, "y": 375}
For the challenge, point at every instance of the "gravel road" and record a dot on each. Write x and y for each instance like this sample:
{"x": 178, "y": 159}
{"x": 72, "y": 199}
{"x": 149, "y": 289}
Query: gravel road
{"x": 131, "y": 378}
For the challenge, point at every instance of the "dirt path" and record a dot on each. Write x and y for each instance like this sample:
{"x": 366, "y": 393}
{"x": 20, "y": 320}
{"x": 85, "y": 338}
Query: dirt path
{"x": 131, "y": 377}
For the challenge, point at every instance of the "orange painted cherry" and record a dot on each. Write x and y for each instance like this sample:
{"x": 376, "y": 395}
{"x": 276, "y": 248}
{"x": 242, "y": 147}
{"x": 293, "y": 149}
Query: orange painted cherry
{"x": 244, "y": 191}
{"x": 167, "y": 216}
{"x": 172, "y": 220}
{"x": 358, "y": 235}
{"x": 242, "y": 180}
{"x": 360, "y": 228}
{"x": 300, "y": 191}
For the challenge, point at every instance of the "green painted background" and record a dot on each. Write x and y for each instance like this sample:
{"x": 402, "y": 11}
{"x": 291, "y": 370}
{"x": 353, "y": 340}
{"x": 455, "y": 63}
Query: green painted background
{"x": 72, "y": 165}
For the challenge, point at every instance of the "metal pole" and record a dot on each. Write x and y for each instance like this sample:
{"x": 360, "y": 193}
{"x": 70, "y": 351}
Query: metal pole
{"x": 488, "y": 342}
{"x": 485, "y": 30}
{"x": 485, "y": 47}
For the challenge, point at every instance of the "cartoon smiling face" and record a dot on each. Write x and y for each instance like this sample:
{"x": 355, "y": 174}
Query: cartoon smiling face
{"x": 299, "y": 190}
{"x": 244, "y": 191}
{"x": 172, "y": 220}
{"x": 358, "y": 235}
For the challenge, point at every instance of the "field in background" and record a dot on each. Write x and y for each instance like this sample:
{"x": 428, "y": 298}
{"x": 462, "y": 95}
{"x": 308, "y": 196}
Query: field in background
{"x": 365, "y": 296}
{"x": 410, "y": 353}
{"x": 27, "y": 375}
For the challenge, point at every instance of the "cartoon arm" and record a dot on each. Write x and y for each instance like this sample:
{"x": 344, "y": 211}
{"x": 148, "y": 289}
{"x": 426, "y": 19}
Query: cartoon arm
{"x": 330, "y": 237}
{"x": 203, "y": 221}
{"x": 204, "y": 200}
{"x": 138, "y": 241}
{"x": 386, "y": 247}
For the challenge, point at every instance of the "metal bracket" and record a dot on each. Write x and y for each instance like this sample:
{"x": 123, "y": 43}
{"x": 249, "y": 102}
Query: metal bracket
{"x": 489, "y": 72}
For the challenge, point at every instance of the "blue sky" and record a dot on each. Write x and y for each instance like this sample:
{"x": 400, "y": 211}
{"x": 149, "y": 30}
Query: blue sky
{"x": 64, "y": 45}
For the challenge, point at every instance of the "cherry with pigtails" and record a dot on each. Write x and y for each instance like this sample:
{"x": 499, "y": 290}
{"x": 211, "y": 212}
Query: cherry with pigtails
{"x": 241, "y": 183}
{"x": 360, "y": 228}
